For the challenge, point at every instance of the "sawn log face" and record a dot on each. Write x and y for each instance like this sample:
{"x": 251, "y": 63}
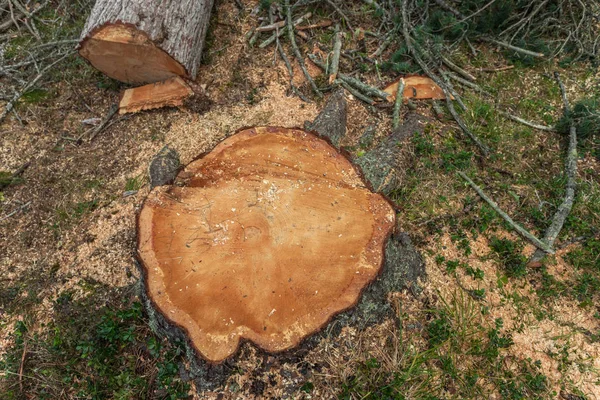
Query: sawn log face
{"x": 146, "y": 41}
{"x": 265, "y": 238}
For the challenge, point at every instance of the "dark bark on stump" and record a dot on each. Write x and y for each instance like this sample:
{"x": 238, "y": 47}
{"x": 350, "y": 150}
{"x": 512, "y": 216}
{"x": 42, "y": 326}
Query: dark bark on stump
{"x": 331, "y": 121}
{"x": 379, "y": 164}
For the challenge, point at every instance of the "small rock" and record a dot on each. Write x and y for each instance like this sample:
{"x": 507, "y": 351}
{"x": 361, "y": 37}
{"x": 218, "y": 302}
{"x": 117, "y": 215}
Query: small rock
{"x": 163, "y": 167}
{"x": 129, "y": 193}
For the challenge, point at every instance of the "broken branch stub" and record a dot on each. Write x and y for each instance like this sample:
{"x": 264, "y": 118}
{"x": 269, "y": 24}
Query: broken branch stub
{"x": 265, "y": 238}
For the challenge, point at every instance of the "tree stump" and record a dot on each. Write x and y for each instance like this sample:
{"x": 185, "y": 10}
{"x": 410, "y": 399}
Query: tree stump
{"x": 146, "y": 41}
{"x": 264, "y": 239}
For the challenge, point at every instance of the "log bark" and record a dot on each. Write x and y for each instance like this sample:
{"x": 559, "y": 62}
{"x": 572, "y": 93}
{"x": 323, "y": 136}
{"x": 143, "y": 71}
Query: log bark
{"x": 146, "y": 41}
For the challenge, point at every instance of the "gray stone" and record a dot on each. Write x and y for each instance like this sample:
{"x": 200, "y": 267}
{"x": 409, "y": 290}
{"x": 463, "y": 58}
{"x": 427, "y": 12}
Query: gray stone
{"x": 163, "y": 167}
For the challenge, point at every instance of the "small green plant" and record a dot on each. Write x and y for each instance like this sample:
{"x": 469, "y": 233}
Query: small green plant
{"x": 461, "y": 352}
{"x": 451, "y": 265}
{"x": 134, "y": 184}
{"x": 509, "y": 255}
{"x": 114, "y": 356}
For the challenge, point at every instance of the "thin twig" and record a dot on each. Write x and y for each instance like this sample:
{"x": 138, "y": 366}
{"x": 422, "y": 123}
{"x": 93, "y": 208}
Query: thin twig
{"x": 104, "y": 124}
{"x": 522, "y": 231}
{"x": 384, "y": 45}
{"x": 16, "y": 210}
{"x": 299, "y": 58}
{"x": 563, "y": 92}
{"x": 22, "y": 366}
{"x": 498, "y": 69}
{"x": 525, "y": 122}
{"x": 457, "y": 69}
{"x": 339, "y": 11}
{"x": 9, "y": 106}
{"x": 467, "y": 83}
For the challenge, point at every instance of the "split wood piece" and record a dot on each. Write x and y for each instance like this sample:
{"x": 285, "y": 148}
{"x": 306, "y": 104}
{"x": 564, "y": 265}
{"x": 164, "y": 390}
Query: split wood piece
{"x": 146, "y": 41}
{"x": 265, "y": 239}
{"x": 170, "y": 93}
{"x": 416, "y": 87}
{"x": 322, "y": 24}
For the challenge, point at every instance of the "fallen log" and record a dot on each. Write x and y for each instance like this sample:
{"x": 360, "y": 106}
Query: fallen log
{"x": 146, "y": 41}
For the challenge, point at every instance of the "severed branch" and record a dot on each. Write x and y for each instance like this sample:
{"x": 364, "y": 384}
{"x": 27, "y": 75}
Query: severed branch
{"x": 288, "y": 65}
{"x": 355, "y": 83}
{"x": 281, "y": 31}
{"x": 339, "y": 11}
{"x": 465, "y": 82}
{"x": 335, "y": 59}
{"x": 14, "y": 175}
{"x": 407, "y": 39}
{"x": 571, "y": 169}
{"x": 290, "y": 29}
{"x": 355, "y": 92}
{"x": 398, "y": 104}
{"x": 448, "y": 7}
{"x": 513, "y": 48}
{"x": 522, "y": 231}
{"x": 457, "y": 69}
{"x": 525, "y": 122}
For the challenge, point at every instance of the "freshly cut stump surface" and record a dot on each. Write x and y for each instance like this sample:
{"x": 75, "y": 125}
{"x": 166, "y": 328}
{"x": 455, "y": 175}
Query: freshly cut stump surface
{"x": 265, "y": 238}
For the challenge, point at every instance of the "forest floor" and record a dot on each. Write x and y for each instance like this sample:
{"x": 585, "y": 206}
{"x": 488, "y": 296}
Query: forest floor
{"x": 485, "y": 325}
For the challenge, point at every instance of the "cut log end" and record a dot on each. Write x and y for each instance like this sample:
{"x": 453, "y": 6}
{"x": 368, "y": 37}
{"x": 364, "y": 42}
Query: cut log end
{"x": 265, "y": 238}
{"x": 170, "y": 93}
{"x": 127, "y": 54}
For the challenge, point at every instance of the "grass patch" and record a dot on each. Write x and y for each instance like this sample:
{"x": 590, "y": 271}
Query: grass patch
{"x": 108, "y": 354}
{"x": 457, "y": 355}
{"x": 135, "y": 183}
{"x": 509, "y": 256}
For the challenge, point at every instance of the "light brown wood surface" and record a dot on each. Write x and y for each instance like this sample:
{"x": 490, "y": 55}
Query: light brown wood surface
{"x": 416, "y": 87}
{"x": 265, "y": 238}
{"x": 170, "y": 93}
